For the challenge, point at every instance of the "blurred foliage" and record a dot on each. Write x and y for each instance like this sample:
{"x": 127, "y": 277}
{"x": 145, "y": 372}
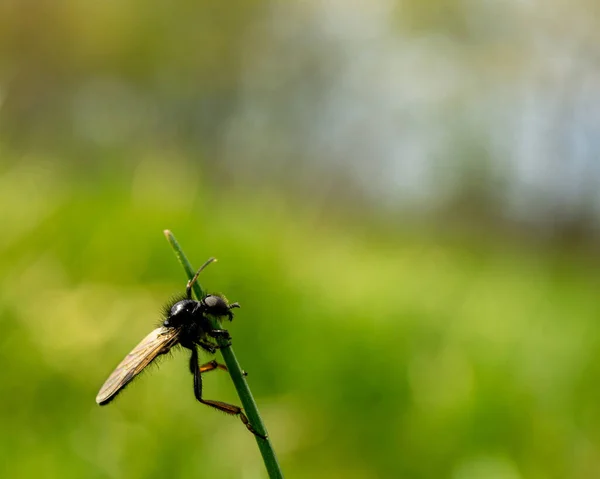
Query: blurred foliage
{"x": 371, "y": 352}
{"x": 461, "y": 349}
{"x": 155, "y": 69}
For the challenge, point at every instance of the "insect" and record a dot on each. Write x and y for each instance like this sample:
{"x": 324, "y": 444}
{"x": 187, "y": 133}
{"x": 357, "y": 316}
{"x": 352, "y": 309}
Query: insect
{"x": 186, "y": 324}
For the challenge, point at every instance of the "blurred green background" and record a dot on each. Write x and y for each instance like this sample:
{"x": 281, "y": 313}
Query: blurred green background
{"x": 403, "y": 196}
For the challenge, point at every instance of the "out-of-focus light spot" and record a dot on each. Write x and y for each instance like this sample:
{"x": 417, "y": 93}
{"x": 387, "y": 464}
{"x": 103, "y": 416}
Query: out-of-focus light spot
{"x": 443, "y": 380}
{"x": 70, "y": 324}
{"x": 286, "y": 423}
{"x": 108, "y": 112}
{"x": 488, "y": 467}
{"x": 17, "y": 283}
{"x": 2, "y": 96}
{"x": 164, "y": 182}
{"x": 30, "y": 192}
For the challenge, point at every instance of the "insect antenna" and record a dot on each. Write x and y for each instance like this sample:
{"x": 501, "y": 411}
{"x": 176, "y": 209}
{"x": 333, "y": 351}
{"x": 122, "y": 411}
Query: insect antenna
{"x": 188, "y": 289}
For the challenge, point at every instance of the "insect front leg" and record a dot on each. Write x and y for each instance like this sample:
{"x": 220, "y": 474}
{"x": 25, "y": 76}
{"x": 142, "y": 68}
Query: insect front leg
{"x": 210, "y": 347}
{"x": 230, "y": 307}
{"x": 221, "y": 333}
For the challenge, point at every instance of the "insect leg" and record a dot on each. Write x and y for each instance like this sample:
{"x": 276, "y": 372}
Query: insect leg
{"x": 232, "y": 306}
{"x": 195, "y": 369}
{"x": 221, "y": 406}
{"x": 219, "y": 333}
{"x": 212, "y": 365}
{"x": 190, "y": 283}
{"x": 234, "y": 411}
{"x": 208, "y": 346}
{"x": 215, "y": 365}
{"x": 204, "y": 368}
{"x": 194, "y": 364}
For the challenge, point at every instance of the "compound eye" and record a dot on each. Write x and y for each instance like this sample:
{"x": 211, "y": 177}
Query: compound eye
{"x": 211, "y": 301}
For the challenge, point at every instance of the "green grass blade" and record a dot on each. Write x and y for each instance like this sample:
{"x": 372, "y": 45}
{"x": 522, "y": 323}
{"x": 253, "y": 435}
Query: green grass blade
{"x": 237, "y": 376}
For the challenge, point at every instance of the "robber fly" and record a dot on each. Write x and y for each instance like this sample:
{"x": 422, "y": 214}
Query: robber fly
{"x": 185, "y": 324}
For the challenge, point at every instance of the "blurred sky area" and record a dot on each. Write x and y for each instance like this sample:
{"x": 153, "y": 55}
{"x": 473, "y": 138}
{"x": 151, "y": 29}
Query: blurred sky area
{"x": 404, "y": 197}
{"x": 403, "y": 97}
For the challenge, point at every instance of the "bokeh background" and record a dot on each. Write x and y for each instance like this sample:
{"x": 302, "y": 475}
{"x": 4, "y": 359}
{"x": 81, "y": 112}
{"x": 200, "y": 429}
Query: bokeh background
{"x": 404, "y": 197}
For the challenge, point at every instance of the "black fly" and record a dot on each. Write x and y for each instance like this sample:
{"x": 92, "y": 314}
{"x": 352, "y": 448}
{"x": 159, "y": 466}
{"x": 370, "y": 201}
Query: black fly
{"x": 188, "y": 325}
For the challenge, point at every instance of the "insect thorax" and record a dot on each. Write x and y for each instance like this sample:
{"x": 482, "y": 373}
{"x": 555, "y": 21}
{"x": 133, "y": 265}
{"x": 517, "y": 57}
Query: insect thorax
{"x": 181, "y": 312}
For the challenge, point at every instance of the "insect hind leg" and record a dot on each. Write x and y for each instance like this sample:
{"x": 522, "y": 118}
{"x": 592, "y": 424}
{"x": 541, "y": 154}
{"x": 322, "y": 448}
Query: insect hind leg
{"x": 221, "y": 406}
{"x": 234, "y": 411}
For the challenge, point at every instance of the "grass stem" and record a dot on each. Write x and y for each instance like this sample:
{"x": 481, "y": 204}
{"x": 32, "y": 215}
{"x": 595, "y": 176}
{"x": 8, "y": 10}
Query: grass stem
{"x": 236, "y": 373}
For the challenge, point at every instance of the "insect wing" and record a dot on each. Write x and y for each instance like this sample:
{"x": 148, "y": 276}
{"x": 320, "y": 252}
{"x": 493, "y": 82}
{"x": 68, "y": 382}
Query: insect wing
{"x": 156, "y": 343}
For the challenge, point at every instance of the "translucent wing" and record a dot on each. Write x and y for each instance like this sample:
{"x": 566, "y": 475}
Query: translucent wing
{"x": 158, "y": 342}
